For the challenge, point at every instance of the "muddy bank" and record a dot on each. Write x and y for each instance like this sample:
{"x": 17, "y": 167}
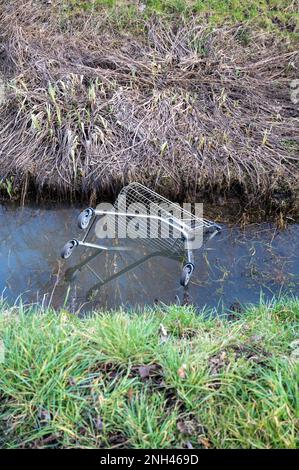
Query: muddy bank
{"x": 188, "y": 111}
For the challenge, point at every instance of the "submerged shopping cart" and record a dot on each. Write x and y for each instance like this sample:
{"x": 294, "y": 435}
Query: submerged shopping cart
{"x": 165, "y": 227}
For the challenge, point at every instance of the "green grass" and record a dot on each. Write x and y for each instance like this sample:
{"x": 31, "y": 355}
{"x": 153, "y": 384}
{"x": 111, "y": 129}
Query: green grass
{"x": 121, "y": 379}
{"x": 281, "y": 16}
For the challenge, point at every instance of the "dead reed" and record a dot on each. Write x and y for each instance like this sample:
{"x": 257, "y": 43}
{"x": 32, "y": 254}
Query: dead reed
{"x": 179, "y": 107}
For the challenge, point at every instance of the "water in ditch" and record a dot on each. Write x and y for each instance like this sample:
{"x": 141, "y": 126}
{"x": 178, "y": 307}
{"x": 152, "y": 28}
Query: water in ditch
{"x": 238, "y": 266}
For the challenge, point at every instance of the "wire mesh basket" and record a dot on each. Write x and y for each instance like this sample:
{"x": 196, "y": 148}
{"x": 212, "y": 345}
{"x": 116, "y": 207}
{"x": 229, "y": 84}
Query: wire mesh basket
{"x": 139, "y": 213}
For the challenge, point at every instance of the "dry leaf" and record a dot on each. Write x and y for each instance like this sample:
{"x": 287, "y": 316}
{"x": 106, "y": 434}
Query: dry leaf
{"x": 256, "y": 338}
{"x": 101, "y": 399}
{"x": 44, "y": 415}
{"x": 144, "y": 371}
{"x": 130, "y": 393}
{"x": 186, "y": 427}
{"x": 163, "y": 333}
{"x": 72, "y": 382}
{"x": 98, "y": 423}
{"x": 182, "y": 371}
{"x": 181, "y": 427}
{"x": 205, "y": 442}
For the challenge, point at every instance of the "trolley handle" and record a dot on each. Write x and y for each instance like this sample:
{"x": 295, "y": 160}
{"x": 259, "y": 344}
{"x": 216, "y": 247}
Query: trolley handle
{"x": 169, "y": 221}
{"x": 181, "y": 226}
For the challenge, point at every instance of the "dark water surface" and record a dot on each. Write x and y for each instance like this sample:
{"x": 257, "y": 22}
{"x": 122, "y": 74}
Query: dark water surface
{"x": 239, "y": 265}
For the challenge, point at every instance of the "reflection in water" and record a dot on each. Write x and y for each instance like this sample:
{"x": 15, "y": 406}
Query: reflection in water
{"x": 236, "y": 266}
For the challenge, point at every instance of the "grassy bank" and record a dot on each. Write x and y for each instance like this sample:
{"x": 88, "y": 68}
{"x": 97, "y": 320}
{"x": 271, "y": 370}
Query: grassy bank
{"x": 160, "y": 379}
{"x": 189, "y": 99}
{"x": 280, "y": 16}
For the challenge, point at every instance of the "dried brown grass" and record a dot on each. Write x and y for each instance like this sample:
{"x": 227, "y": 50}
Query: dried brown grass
{"x": 180, "y": 108}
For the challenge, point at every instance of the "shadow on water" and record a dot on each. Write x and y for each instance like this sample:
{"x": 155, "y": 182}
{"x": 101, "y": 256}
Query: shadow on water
{"x": 237, "y": 266}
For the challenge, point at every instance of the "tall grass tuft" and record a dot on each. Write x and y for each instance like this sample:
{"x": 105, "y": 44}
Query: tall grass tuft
{"x": 161, "y": 379}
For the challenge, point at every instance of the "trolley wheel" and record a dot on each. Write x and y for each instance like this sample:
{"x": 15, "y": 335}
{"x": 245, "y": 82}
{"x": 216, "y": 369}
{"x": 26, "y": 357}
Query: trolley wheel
{"x": 186, "y": 274}
{"x": 67, "y": 250}
{"x": 85, "y": 218}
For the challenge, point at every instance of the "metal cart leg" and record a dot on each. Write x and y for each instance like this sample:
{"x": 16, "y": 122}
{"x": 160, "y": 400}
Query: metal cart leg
{"x": 122, "y": 271}
{"x": 188, "y": 268}
{"x": 69, "y": 247}
{"x": 71, "y": 272}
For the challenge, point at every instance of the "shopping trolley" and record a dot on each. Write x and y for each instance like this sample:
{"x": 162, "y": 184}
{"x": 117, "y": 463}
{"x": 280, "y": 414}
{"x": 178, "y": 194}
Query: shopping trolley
{"x": 165, "y": 227}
